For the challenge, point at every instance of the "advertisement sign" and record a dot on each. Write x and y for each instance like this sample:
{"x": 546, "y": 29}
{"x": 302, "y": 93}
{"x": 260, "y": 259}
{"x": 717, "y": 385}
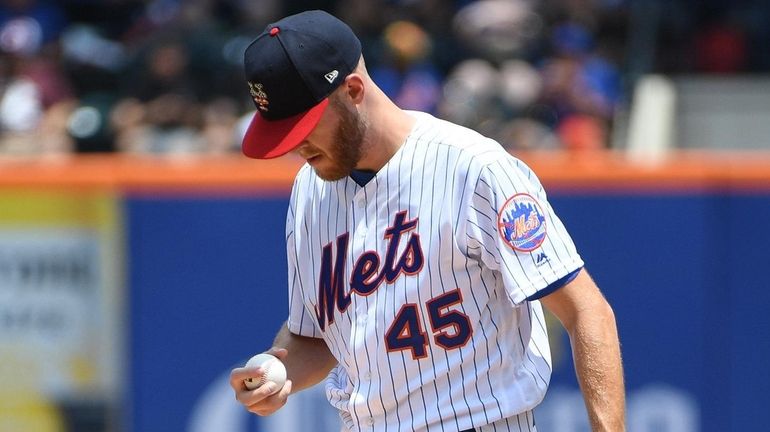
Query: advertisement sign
{"x": 60, "y": 290}
{"x": 208, "y": 290}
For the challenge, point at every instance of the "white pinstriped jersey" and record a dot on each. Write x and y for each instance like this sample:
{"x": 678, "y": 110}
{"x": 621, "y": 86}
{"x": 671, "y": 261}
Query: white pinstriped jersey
{"x": 418, "y": 282}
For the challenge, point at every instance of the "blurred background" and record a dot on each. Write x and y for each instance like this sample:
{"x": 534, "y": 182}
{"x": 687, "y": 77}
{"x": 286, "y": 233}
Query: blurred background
{"x": 142, "y": 257}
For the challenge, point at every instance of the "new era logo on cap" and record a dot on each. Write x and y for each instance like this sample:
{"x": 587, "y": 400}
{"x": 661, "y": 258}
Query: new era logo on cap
{"x": 331, "y": 76}
{"x": 298, "y": 61}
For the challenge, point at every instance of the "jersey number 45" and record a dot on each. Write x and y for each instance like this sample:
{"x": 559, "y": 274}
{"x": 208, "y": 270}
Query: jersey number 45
{"x": 451, "y": 328}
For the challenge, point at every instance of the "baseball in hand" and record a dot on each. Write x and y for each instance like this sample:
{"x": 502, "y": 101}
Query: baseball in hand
{"x": 273, "y": 370}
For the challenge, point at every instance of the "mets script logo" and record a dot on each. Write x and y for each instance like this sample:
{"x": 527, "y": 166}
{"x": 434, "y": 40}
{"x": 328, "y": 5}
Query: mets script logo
{"x": 335, "y": 286}
{"x": 521, "y": 223}
{"x": 259, "y": 96}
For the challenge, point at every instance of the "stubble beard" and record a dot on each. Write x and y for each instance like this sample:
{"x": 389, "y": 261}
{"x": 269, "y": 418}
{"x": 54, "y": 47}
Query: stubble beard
{"x": 347, "y": 149}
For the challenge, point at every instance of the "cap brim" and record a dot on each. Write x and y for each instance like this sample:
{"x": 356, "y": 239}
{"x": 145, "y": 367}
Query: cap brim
{"x": 267, "y": 139}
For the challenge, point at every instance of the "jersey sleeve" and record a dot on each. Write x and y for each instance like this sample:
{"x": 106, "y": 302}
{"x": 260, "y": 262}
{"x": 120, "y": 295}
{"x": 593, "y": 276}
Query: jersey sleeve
{"x": 301, "y": 321}
{"x": 512, "y": 229}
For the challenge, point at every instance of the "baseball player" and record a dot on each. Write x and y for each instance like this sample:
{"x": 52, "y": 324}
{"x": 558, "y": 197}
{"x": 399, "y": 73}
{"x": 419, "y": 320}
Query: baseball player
{"x": 419, "y": 252}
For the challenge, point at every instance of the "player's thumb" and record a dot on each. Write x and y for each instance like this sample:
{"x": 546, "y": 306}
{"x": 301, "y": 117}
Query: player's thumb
{"x": 281, "y": 353}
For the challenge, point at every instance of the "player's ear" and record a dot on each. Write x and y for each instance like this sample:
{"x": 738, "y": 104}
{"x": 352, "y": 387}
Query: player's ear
{"x": 354, "y": 88}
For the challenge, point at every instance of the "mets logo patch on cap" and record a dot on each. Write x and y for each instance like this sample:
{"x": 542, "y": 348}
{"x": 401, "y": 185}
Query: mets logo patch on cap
{"x": 521, "y": 223}
{"x": 259, "y": 96}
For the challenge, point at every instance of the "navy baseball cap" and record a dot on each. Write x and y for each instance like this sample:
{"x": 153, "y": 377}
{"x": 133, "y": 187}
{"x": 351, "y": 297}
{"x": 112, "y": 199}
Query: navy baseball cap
{"x": 292, "y": 68}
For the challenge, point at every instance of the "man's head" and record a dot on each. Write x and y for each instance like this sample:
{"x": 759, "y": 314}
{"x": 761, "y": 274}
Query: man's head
{"x": 336, "y": 144}
{"x": 292, "y": 68}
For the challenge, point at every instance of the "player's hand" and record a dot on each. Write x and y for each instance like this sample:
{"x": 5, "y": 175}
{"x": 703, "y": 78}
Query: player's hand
{"x": 262, "y": 400}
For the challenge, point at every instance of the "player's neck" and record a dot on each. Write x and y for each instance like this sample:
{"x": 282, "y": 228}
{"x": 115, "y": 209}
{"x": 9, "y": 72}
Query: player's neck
{"x": 388, "y": 128}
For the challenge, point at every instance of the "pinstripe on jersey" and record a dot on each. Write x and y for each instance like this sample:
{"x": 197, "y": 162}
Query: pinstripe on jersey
{"x": 416, "y": 292}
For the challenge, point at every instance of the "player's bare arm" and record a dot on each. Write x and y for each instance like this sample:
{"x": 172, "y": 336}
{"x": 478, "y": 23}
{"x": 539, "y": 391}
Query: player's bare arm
{"x": 307, "y": 360}
{"x": 590, "y": 322}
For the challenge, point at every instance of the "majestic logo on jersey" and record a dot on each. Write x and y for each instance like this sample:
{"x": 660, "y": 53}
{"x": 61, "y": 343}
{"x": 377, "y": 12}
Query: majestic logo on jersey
{"x": 367, "y": 274}
{"x": 521, "y": 223}
{"x": 259, "y": 96}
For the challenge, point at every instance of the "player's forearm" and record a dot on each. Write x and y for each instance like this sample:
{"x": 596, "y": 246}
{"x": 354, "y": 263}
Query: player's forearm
{"x": 309, "y": 360}
{"x": 596, "y": 351}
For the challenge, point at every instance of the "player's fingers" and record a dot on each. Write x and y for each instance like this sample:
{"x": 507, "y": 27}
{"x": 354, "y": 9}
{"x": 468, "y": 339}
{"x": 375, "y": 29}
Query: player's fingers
{"x": 273, "y": 402}
{"x": 237, "y": 376}
{"x": 261, "y": 410}
{"x": 285, "y": 390}
{"x": 265, "y": 407}
{"x": 258, "y": 395}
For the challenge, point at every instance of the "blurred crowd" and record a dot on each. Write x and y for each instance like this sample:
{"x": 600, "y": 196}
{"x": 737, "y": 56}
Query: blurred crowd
{"x": 165, "y": 76}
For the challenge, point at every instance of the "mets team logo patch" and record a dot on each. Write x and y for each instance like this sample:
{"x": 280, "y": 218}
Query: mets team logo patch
{"x": 521, "y": 223}
{"x": 260, "y": 97}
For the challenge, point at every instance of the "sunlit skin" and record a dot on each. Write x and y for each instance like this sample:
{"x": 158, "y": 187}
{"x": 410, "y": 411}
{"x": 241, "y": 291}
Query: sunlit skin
{"x": 344, "y": 139}
{"x": 335, "y": 147}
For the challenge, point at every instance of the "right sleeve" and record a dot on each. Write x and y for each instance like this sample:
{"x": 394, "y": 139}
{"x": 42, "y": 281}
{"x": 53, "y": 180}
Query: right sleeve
{"x": 301, "y": 320}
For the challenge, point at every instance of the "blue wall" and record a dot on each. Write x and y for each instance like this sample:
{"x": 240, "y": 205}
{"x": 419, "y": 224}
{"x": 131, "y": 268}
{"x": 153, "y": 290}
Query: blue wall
{"x": 684, "y": 272}
{"x": 207, "y": 287}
